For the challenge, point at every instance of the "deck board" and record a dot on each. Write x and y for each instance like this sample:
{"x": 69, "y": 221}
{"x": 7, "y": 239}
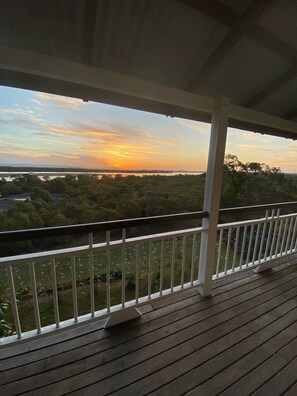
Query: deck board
{"x": 243, "y": 337}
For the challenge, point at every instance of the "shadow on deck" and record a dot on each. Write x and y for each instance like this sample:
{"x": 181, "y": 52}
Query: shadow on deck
{"x": 242, "y": 340}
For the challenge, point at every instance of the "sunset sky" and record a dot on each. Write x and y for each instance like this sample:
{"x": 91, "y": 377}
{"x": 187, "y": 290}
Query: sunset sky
{"x": 48, "y": 130}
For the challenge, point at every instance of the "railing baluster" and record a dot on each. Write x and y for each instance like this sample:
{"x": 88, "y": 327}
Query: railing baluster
{"x": 250, "y": 245}
{"x": 227, "y": 250}
{"x": 278, "y": 237}
{"x": 256, "y": 243}
{"x": 55, "y": 293}
{"x": 74, "y": 289}
{"x": 182, "y": 279}
{"x": 162, "y": 266}
{"x": 274, "y": 233}
{"x": 172, "y": 264}
{"x": 293, "y": 235}
{"x": 243, "y": 246}
{"x": 289, "y": 234}
{"x": 13, "y": 302}
{"x": 219, "y": 252}
{"x": 269, "y": 236}
{"x": 91, "y": 263}
{"x": 263, "y": 236}
{"x": 284, "y": 237}
{"x": 108, "y": 271}
{"x": 235, "y": 248}
{"x": 123, "y": 267}
{"x": 35, "y": 296}
{"x": 137, "y": 273}
{"x": 193, "y": 258}
{"x": 149, "y": 278}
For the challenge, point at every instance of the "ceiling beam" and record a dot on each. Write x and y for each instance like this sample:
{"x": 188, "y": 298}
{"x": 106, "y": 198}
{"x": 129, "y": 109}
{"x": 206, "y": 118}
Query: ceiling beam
{"x": 36, "y": 71}
{"x": 58, "y": 69}
{"x": 272, "y": 87}
{"x": 213, "y": 9}
{"x": 291, "y": 114}
{"x": 243, "y": 24}
{"x": 225, "y": 15}
{"x": 89, "y": 31}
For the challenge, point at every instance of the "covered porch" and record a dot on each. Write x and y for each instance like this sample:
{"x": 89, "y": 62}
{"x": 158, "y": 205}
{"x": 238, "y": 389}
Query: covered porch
{"x": 228, "y": 63}
{"x": 242, "y": 340}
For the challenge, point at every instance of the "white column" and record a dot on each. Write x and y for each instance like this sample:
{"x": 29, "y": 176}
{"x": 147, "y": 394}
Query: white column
{"x": 213, "y": 184}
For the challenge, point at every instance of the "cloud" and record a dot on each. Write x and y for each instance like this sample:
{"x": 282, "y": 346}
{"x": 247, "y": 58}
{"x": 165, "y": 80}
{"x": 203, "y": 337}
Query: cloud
{"x": 198, "y": 126}
{"x": 21, "y": 118}
{"x": 56, "y": 101}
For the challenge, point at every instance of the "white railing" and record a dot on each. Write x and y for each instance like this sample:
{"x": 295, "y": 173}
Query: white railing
{"x": 255, "y": 242}
{"x": 54, "y": 289}
{"x": 98, "y": 279}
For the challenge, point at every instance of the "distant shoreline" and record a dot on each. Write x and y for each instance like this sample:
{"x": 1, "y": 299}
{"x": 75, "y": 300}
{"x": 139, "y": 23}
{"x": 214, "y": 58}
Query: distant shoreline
{"x": 29, "y": 169}
{"x": 52, "y": 173}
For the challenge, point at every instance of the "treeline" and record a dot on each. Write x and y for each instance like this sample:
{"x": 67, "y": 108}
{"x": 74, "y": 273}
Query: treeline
{"x": 86, "y": 199}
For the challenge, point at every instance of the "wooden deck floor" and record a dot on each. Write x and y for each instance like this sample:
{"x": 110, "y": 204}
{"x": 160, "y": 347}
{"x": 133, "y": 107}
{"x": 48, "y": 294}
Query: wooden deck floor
{"x": 241, "y": 341}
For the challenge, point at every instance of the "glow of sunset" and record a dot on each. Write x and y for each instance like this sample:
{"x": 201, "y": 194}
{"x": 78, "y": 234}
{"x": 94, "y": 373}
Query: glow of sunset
{"x": 39, "y": 129}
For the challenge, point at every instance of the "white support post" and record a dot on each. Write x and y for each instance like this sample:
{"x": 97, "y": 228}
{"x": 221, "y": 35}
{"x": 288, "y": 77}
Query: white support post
{"x": 213, "y": 183}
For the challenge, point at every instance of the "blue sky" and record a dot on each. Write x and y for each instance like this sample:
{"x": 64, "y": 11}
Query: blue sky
{"x": 42, "y": 129}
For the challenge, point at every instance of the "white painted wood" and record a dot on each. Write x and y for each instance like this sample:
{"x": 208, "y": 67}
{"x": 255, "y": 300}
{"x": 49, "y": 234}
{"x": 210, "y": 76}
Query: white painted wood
{"x": 212, "y": 192}
{"x": 150, "y": 268}
{"x": 258, "y": 118}
{"x": 123, "y": 267}
{"x": 74, "y": 289}
{"x": 194, "y": 245}
{"x": 172, "y": 263}
{"x": 121, "y": 316}
{"x": 37, "y": 64}
{"x": 184, "y": 248}
{"x": 162, "y": 266}
{"x": 108, "y": 271}
{"x": 64, "y": 70}
{"x": 13, "y": 301}
{"x": 55, "y": 292}
{"x": 35, "y": 296}
{"x": 91, "y": 264}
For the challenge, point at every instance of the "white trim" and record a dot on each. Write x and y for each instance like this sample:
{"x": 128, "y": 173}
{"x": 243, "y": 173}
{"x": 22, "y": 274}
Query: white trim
{"x": 212, "y": 194}
{"x": 60, "y": 69}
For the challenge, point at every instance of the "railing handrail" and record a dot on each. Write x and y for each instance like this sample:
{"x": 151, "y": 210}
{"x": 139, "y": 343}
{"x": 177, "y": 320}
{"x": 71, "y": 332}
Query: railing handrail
{"x": 244, "y": 209}
{"x": 38, "y": 233}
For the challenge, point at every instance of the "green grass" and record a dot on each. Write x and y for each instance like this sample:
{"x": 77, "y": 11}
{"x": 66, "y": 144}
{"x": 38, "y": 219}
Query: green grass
{"x": 64, "y": 283}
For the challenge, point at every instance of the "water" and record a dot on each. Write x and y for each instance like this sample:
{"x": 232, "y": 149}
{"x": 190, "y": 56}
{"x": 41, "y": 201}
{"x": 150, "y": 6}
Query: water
{"x": 9, "y": 176}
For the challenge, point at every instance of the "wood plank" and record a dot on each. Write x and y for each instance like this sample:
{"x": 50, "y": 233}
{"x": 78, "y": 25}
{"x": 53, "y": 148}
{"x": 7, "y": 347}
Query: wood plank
{"x": 242, "y": 302}
{"x": 207, "y": 371}
{"x": 257, "y": 377}
{"x": 292, "y": 391}
{"x": 281, "y": 381}
{"x": 144, "y": 369}
{"x": 148, "y": 322}
{"x": 154, "y": 374}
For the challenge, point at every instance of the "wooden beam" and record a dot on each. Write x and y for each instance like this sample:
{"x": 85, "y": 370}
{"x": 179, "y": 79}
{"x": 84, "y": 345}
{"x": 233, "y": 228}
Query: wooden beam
{"x": 250, "y": 118}
{"x": 256, "y": 8}
{"x": 272, "y": 43}
{"x": 213, "y": 9}
{"x": 272, "y": 87}
{"x": 290, "y": 115}
{"x": 225, "y": 15}
{"x": 89, "y": 31}
{"x": 117, "y": 87}
{"x": 213, "y": 183}
{"x": 57, "y": 69}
